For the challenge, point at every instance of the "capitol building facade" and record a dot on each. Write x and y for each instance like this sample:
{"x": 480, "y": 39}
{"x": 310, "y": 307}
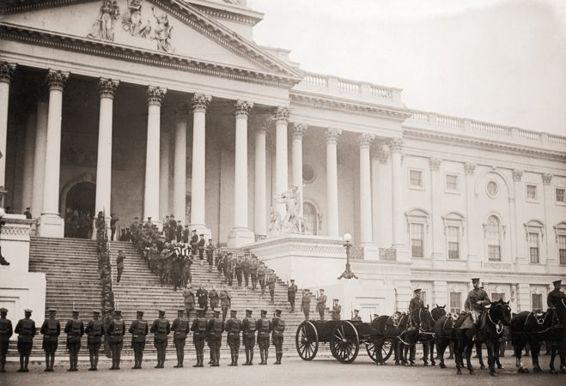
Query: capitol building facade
{"x": 155, "y": 107}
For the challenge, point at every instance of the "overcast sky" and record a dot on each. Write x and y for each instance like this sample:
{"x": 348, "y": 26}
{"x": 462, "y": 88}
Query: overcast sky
{"x": 502, "y": 61}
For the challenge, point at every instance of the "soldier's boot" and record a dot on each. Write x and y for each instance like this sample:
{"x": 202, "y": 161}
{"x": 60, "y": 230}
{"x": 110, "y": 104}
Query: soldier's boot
{"x": 21, "y": 364}
{"x": 95, "y": 362}
{"x": 26, "y": 363}
{"x": 218, "y": 355}
{"x": 91, "y": 360}
{"x": 247, "y": 357}
{"x": 202, "y": 359}
{"x": 3, "y": 260}
{"x": 262, "y": 356}
{"x": 236, "y": 358}
{"x": 251, "y": 357}
{"x": 266, "y": 355}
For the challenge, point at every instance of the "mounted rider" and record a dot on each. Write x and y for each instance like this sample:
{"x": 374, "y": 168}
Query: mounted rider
{"x": 476, "y": 301}
{"x": 555, "y": 296}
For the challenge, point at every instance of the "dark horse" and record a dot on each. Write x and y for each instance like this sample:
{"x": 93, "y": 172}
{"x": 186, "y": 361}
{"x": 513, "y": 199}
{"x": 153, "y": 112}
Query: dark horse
{"x": 490, "y": 328}
{"x": 556, "y": 337}
{"x": 443, "y": 331}
{"x": 530, "y": 328}
{"x": 420, "y": 329}
{"x": 389, "y": 328}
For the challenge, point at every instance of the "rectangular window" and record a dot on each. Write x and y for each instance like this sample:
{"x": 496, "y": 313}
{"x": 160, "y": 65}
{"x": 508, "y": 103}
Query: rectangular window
{"x": 417, "y": 240}
{"x": 495, "y": 296}
{"x": 451, "y": 182}
{"x": 455, "y": 302}
{"x": 532, "y": 192}
{"x": 562, "y": 248}
{"x": 534, "y": 247}
{"x": 560, "y": 194}
{"x": 536, "y": 300}
{"x": 453, "y": 242}
{"x": 494, "y": 252}
{"x": 416, "y": 178}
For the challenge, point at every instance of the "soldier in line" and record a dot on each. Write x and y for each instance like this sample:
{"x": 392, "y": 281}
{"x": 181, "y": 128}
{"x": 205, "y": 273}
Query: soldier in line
{"x": 199, "y": 335}
{"x": 292, "y": 294}
{"x": 201, "y": 248}
{"x": 202, "y": 298}
{"x": 239, "y": 271}
{"x": 187, "y": 262}
{"x": 225, "y": 301}
{"x": 213, "y": 296}
{"x": 26, "y": 331}
{"x": 261, "y": 278}
{"x": 253, "y": 272}
{"x": 120, "y": 264}
{"x": 306, "y": 304}
{"x": 186, "y": 233}
{"x": 194, "y": 243}
{"x": 210, "y": 254}
{"x": 229, "y": 269}
{"x": 336, "y": 310}
{"x": 180, "y": 330}
{"x": 160, "y": 329}
{"x": 246, "y": 270}
{"x": 271, "y": 285}
{"x": 476, "y": 301}
{"x": 189, "y": 299}
{"x": 416, "y": 302}
{"x": 248, "y": 336}
{"x": 179, "y": 231}
{"x": 139, "y": 329}
{"x": 94, "y": 331}
{"x": 116, "y": 331}
{"x": 51, "y": 329}
{"x": 555, "y": 296}
{"x": 233, "y": 326}
{"x": 264, "y": 328}
{"x": 220, "y": 261}
{"x": 74, "y": 330}
{"x": 214, "y": 330}
{"x": 5, "y": 334}
{"x": 278, "y": 326}
{"x": 356, "y": 317}
{"x": 321, "y": 304}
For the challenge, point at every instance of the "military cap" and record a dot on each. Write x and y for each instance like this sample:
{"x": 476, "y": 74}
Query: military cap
{"x": 322, "y": 290}
{"x": 249, "y": 311}
{"x": 278, "y": 311}
{"x": 335, "y": 299}
{"x": 417, "y": 291}
{"x": 75, "y": 311}
{"x": 3, "y": 310}
{"x": 194, "y": 231}
{"x": 161, "y": 311}
{"x": 216, "y": 312}
{"x": 292, "y": 280}
{"x": 139, "y": 312}
{"x": 233, "y": 312}
{"x": 475, "y": 279}
{"x": 186, "y": 226}
{"x": 263, "y": 312}
{"x": 202, "y": 234}
{"x": 356, "y": 310}
{"x": 136, "y": 218}
{"x": 28, "y": 208}
{"x": 178, "y": 220}
{"x": 118, "y": 312}
{"x": 27, "y": 310}
{"x": 149, "y": 218}
{"x": 51, "y": 310}
{"x": 96, "y": 312}
{"x": 555, "y": 282}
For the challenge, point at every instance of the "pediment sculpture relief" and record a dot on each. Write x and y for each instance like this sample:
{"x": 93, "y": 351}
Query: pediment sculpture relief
{"x": 103, "y": 27}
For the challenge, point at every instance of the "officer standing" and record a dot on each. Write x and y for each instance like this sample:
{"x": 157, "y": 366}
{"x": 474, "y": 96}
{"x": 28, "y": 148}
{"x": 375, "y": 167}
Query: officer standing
{"x": 230, "y": 267}
{"x": 199, "y": 335}
{"x": 74, "y": 330}
{"x": 239, "y": 271}
{"x": 321, "y": 304}
{"x": 202, "y": 298}
{"x": 271, "y": 285}
{"x": 189, "y": 299}
{"x": 186, "y": 235}
{"x": 116, "y": 331}
{"x": 278, "y": 326}
{"x": 120, "y": 264}
{"x": 26, "y": 331}
{"x": 201, "y": 247}
{"x": 94, "y": 331}
{"x": 336, "y": 310}
{"x": 160, "y": 329}
{"x": 253, "y": 271}
{"x": 477, "y": 300}
{"x": 180, "y": 330}
{"x": 263, "y": 330}
{"x": 292, "y": 294}
{"x": 210, "y": 254}
{"x": 416, "y": 302}
{"x": 555, "y": 296}
{"x": 139, "y": 329}
{"x": 233, "y": 326}
{"x": 51, "y": 329}
{"x": 306, "y": 303}
{"x": 225, "y": 301}
{"x": 214, "y": 330}
{"x": 5, "y": 334}
{"x": 246, "y": 270}
{"x": 248, "y": 335}
{"x": 356, "y": 317}
{"x": 213, "y": 296}
{"x": 261, "y": 277}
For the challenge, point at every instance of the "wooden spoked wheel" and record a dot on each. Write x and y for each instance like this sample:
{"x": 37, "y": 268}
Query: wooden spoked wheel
{"x": 344, "y": 342}
{"x": 306, "y": 341}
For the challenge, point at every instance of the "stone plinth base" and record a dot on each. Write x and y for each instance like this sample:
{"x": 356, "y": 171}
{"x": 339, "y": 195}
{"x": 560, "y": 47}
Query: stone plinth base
{"x": 240, "y": 237}
{"x": 51, "y": 225}
{"x": 371, "y": 252}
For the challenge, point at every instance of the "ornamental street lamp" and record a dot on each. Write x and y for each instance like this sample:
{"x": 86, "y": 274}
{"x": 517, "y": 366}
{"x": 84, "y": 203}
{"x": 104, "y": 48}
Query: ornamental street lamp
{"x": 347, "y": 274}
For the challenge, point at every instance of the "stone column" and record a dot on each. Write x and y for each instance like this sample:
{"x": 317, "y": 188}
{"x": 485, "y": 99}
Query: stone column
{"x": 151, "y": 202}
{"x": 180, "y": 165}
{"x": 39, "y": 158}
{"x": 381, "y": 186}
{"x": 471, "y": 225}
{"x": 29, "y": 146}
{"x": 164, "y": 167}
{"x": 366, "y": 223}
{"x": 518, "y": 248}
{"x": 436, "y": 193}
{"x": 260, "y": 207}
{"x": 298, "y": 134}
{"x": 396, "y": 146}
{"x": 198, "y": 182}
{"x": 106, "y": 89}
{"x": 332, "y": 225}
{"x": 240, "y": 235}
{"x": 281, "y": 118}
{"x": 6, "y": 73}
{"x": 550, "y": 250}
{"x": 51, "y": 224}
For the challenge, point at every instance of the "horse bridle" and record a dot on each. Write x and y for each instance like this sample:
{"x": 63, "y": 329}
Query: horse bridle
{"x": 498, "y": 325}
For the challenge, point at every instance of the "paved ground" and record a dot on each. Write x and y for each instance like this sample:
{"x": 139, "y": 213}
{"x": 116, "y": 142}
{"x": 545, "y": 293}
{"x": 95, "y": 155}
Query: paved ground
{"x": 294, "y": 371}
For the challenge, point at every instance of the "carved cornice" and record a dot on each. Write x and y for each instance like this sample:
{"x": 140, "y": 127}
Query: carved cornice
{"x": 155, "y": 95}
{"x": 7, "y": 71}
{"x": 57, "y": 79}
{"x": 469, "y": 168}
{"x": 434, "y": 164}
{"x": 332, "y": 135}
{"x": 547, "y": 178}
{"x": 396, "y": 145}
{"x": 200, "y": 102}
{"x": 365, "y": 139}
{"x": 281, "y": 115}
{"x": 517, "y": 175}
{"x": 107, "y": 87}
{"x": 243, "y": 108}
{"x": 299, "y": 130}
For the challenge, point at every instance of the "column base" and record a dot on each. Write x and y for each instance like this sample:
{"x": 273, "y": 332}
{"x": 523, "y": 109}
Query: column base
{"x": 51, "y": 225}
{"x": 371, "y": 252}
{"x": 240, "y": 237}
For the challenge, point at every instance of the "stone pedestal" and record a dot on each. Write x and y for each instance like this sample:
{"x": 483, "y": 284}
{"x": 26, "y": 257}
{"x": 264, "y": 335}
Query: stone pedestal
{"x": 51, "y": 225}
{"x": 239, "y": 237}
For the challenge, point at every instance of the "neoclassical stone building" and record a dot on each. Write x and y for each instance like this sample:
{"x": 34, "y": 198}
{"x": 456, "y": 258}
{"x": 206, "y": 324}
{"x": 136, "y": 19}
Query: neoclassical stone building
{"x": 155, "y": 107}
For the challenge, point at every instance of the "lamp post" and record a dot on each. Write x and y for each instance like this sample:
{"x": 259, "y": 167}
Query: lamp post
{"x": 347, "y": 274}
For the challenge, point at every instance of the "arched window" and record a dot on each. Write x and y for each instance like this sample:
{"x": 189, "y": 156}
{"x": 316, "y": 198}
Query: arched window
{"x": 310, "y": 217}
{"x": 493, "y": 237}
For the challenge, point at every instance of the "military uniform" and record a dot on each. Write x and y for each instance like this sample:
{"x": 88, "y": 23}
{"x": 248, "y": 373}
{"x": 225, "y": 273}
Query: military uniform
{"x": 246, "y": 270}
{"x": 253, "y": 273}
{"x": 201, "y": 247}
{"x": 180, "y": 330}
{"x": 336, "y": 310}
{"x": 292, "y": 294}
{"x": 116, "y": 331}
{"x": 225, "y": 302}
{"x": 230, "y": 266}
{"x": 94, "y": 331}
{"x": 199, "y": 327}
{"x": 264, "y": 328}
{"x": 202, "y": 298}
{"x": 210, "y": 255}
{"x": 213, "y": 296}
{"x": 189, "y": 298}
{"x": 120, "y": 265}
{"x": 271, "y": 286}
{"x": 160, "y": 329}
{"x": 5, "y": 334}
{"x": 194, "y": 243}
{"x": 186, "y": 235}
{"x": 416, "y": 302}
{"x": 26, "y": 331}
{"x": 74, "y": 330}
{"x": 238, "y": 271}
{"x": 261, "y": 278}
{"x": 278, "y": 326}
{"x": 214, "y": 338}
{"x": 139, "y": 329}
{"x": 476, "y": 301}
{"x": 356, "y": 317}
{"x": 306, "y": 304}
{"x": 321, "y": 304}
{"x": 555, "y": 296}
{"x": 233, "y": 326}
{"x": 248, "y": 336}
{"x": 51, "y": 329}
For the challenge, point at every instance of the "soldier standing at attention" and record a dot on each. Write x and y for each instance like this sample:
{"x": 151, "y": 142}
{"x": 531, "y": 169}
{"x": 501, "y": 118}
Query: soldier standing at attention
{"x": 261, "y": 277}
{"x": 263, "y": 330}
{"x": 74, "y": 330}
{"x": 246, "y": 270}
{"x": 220, "y": 260}
{"x": 201, "y": 247}
{"x": 416, "y": 302}
{"x": 225, "y": 301}
{"x": 278, "y": 325}
{"x": 292, "y": 294}
{"x": 94, "y": 331}
{"x": 555, "y": 296}
{"x": 179, "y": 231}
{"x": 51, "y": 329}
{"x": 189, "y": 299}
{"x": 321, "y": 304}
{"x": 336, "y": 310}
{"x": 202, "y": 298}
{"x": 214, "y": 331}
{"x": 271, "y": 285}
{"x": 139, "y": 330}
{"x": 120, "y": 264}
{"x": 248, "y": 335}
{"x": 180, "y": 330}
{"x": 306, "y": 303}
{"x": 160, "y": 329}
{"x": 253, "y": 272}
{"x": 194, "y": 243}
{"x": 26, "y": 331}
{"x": 239, "y": 270}
{"x": 477, "y": 300}
{"x": 199, "y": 335}
{"x": 186, "y": 233}
{"x": 233, "y": 326}
{"x": 210, "y": 254}
{"x": 116, "y": 331}
{"x": 356, "y": 317}
{"x": 213, "y": 296}
{"x": 230, "y": 266}
{"x": 5, "y": 334}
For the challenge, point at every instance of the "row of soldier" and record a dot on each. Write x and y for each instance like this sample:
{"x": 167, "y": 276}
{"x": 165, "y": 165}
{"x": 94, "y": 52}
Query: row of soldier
{"x": 208, "y": 331}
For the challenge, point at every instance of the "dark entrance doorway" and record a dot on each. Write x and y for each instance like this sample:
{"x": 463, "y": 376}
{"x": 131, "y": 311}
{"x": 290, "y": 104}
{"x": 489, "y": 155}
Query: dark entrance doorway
{"x": 79, "y": 210}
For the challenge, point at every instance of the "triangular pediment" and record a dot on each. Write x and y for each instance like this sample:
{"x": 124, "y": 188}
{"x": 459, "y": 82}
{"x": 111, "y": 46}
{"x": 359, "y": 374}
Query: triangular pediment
{"x": 166, "y": 27}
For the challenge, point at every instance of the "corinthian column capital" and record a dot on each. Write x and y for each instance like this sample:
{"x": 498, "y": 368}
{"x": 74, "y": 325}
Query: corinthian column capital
{"x": 107, "y": 87}
{"x": 299, "y": 130}
{"x": 7, "y": 71}
{"x": 243, "y": 108}
{"x": 332, "y": 135}
{"x": 57, "y": 79}
{"x": 200, "y": 102}
{"x": 546, "y": 178}
{"x": 366, "y": 139}
{"x": 155, "y": 95}
{"x": 517, "y": 175}
{"x": 434, "y": 163}
{"x": 396, "y": 145}
{"x": 281, "y": 115}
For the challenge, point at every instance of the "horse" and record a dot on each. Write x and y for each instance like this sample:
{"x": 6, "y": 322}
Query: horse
{"x": 389, "y": 327}
{"x": 556, "y": 336}
{"x": 530, "y": 328}
{"x": 490, "y": 328}
{"x": 420, "y": 330}
{"x": 443, "y": 331}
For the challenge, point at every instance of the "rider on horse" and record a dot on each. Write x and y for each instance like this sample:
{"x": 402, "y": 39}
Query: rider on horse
{"x": 476, "y": 301}
{"x": 555, "y": 296}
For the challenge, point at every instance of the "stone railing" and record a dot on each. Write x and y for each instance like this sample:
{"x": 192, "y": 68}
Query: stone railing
{"x": 351, "y": 89}
{"x": 484, "y": 130}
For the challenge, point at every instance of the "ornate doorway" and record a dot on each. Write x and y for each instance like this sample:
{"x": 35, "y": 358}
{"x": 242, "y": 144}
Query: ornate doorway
{"x": 79, "y": 210}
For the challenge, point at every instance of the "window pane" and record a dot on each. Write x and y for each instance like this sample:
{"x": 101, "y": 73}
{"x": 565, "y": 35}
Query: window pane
{"x": 493, "y": 238}
{"x": 455, "y": 302}
{"x": 562, "y": 248}
{"x": 537, "y": 302}
{"x": 416, "y": 178}
{"x": 453, "y": 242}
{"x": 417, "y": 236}
{"x": 560, "y": 195}
{"x": 451, "y": 182}
{"x": 533, "y": 239}
{"x": 532, "y": 192}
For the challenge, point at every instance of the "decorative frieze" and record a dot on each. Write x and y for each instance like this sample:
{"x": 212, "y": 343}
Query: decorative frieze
{"x": 396, "y": 145}
{"x": 57, "y": 79}
{"x": 547, "y": 178}
{"x": 434, "y": 164}
{"x": 332, "y": 135}
{"x": 200, "y": 102}
{"x": 469, "y": 168}
{"x": 299, "y": 130}
{"x": 103, "y": 27}
{"x": 517, "y": 175}
{"x": 243, "y": 108}
{"x": 155, "y": 95}
{"x": 107, "y": 87}
{"x": 366, "y": 139}
{"x": 7, "y": 71}
{"x": 281, "y": 115}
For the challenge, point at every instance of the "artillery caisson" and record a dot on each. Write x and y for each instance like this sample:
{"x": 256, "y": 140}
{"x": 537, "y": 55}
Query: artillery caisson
{"x": 344, "y": 338}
